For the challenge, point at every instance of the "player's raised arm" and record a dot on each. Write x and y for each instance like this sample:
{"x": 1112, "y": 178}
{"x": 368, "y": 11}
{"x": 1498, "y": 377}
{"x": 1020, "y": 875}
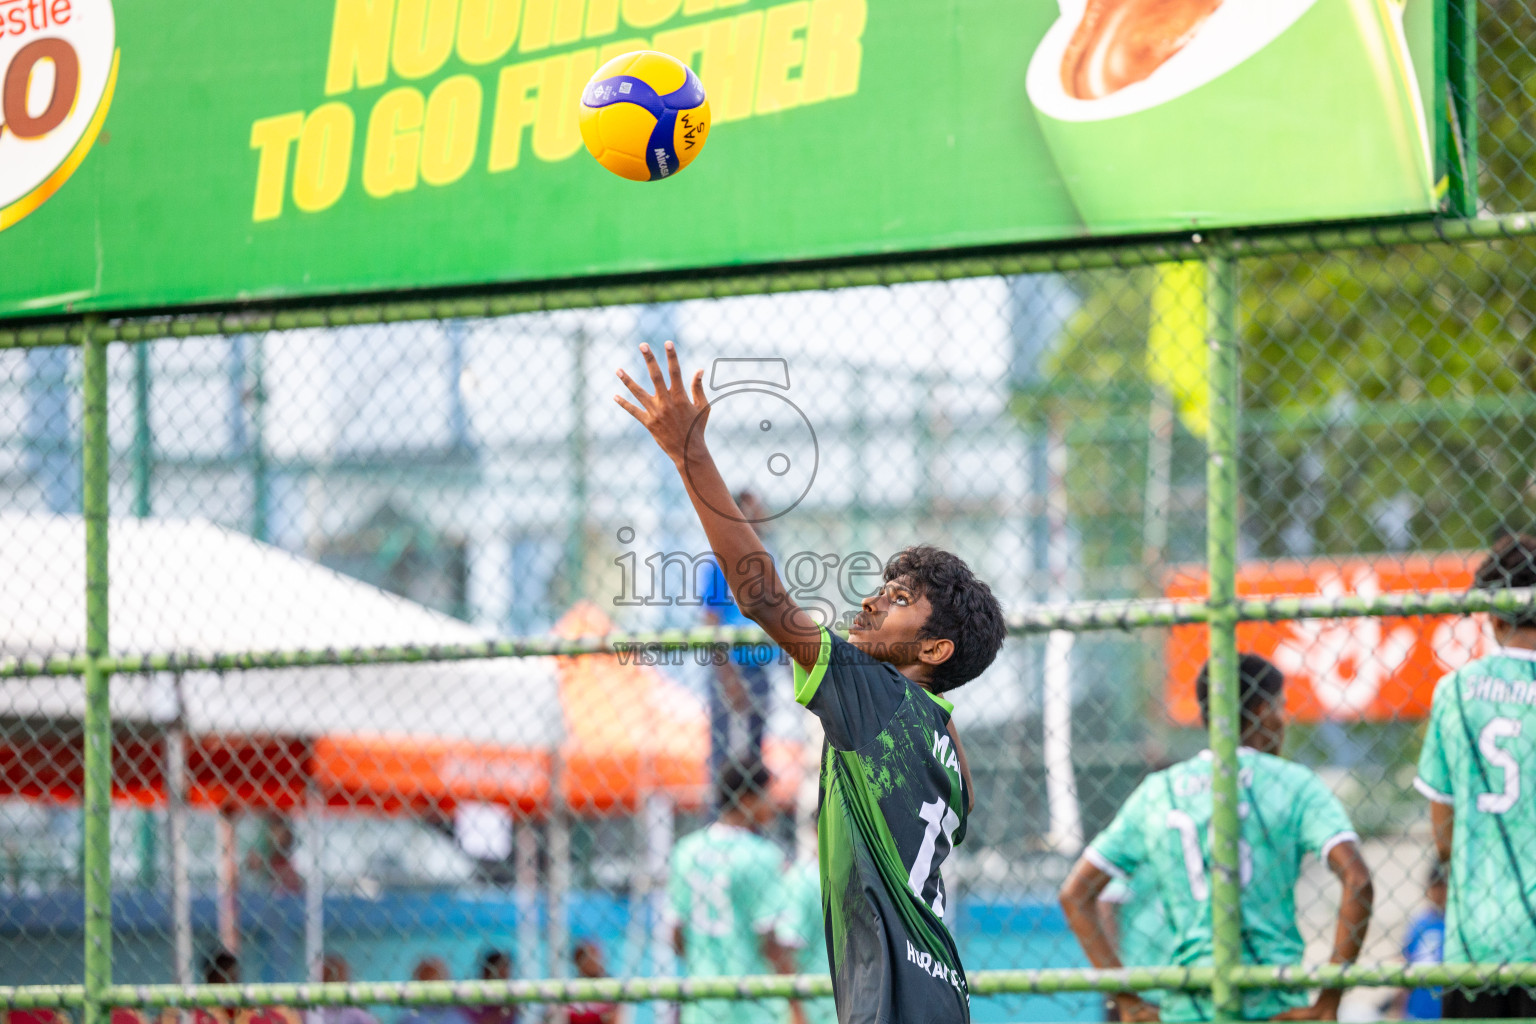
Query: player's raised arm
{"x": 675, "y": 415}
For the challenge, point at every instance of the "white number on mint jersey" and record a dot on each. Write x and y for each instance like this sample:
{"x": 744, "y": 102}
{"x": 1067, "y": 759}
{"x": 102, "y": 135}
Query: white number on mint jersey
{"x": 1498, "y": 757}
{"x": 711, "y": 914}
{"x": 1194, "y": 856}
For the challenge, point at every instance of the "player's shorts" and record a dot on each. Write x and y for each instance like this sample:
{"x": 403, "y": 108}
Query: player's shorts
{"x": 1488, "y": 1004}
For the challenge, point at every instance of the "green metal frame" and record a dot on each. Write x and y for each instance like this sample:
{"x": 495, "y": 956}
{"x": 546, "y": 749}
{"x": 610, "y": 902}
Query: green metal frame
{"x": 1221, "y": 611}
{"x": 1047, "y": 981}
{"x": 1221, "y": 620}
{"x": 98, "y": 680}
{"x": 1078, "y": 616}
{"x": 151, "y": 325}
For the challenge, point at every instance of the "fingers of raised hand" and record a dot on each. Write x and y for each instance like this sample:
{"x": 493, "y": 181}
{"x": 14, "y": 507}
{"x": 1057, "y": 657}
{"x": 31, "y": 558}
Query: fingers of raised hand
{"x": 629, "y": 407}
{"x": 652, "y": 365}
{"x": 673, "y": 369}
{"x": 635, "y": 389}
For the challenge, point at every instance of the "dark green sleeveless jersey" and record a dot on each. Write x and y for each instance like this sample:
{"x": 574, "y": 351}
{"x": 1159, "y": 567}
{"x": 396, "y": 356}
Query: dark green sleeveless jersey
{"x": 892, "y": 807}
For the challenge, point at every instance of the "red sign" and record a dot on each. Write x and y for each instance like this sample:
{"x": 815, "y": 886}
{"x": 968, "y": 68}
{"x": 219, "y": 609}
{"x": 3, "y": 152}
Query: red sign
{"x": 1342, "y": 669}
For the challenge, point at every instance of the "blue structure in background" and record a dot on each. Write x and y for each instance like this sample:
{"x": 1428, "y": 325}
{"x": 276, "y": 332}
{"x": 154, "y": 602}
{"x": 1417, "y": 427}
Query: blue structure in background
{"x": 384, "y": 938}
{"x": 53, "y": 451}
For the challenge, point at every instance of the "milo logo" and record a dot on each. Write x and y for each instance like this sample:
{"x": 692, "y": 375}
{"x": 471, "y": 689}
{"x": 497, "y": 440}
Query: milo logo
{"x": 58, "y": 66}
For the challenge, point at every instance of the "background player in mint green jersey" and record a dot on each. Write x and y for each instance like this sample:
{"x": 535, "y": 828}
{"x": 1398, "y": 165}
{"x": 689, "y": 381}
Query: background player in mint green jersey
{"x": 1162, "y": 834}
{"x": 895, "y": 789}
{"x": 1131, "y": 913}
{"x": 802, "y": 930}
{"x": 726, "y": 890}
{"x": 1477, "y": 748}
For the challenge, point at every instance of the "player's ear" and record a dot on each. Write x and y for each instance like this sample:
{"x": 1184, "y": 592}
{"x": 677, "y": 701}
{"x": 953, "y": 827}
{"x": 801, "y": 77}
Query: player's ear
{"x": 936, "y": 651}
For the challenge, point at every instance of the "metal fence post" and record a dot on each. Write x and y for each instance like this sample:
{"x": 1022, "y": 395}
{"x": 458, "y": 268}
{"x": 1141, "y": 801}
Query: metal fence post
{"x": 98, "y": 713}
{"x": 1224, "y": 711}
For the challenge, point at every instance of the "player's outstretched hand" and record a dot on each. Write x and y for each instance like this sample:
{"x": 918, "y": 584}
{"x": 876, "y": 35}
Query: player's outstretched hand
{"x": 672, "y": 413}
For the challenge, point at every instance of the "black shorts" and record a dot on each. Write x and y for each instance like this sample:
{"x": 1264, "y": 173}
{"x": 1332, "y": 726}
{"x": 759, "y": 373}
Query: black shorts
{"x": 1488, "y": 1003}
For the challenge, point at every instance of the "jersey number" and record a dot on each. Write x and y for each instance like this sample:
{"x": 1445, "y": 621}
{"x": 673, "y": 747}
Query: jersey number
{"x": 1488, "y": 744}
{"x": 1194, "y": 856}
{"x": 939, "y": 817}
{"x": 711, "y": 914}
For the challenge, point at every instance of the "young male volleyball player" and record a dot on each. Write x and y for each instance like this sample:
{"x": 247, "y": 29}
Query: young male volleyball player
{"x": 1472, "y": 768}
{"x": 895, "y": 789}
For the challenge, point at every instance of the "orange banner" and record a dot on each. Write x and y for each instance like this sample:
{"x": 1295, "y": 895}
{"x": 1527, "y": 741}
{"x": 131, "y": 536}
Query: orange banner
{"x": 1340, "y": 669}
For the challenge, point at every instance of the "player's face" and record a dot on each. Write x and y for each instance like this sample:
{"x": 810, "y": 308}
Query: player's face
{"x": 757, "y": 809}
{"x": 1267, "y": 732}
{"x": 891, "y": 622}
{"x": 590, "y": 963}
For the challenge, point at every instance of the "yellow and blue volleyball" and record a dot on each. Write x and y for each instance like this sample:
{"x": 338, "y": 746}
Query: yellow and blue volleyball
{"x": 644, "y": 115}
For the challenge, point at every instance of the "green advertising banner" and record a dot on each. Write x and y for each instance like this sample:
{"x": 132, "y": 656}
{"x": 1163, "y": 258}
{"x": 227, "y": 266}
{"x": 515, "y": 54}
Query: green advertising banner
{"x": 158, "y": 153}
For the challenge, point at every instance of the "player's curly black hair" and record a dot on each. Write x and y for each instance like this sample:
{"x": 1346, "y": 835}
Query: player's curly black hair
{"x": 964, "y": 611}
{"x": 1511, "y": 563}
{"x": 737, "y": 782}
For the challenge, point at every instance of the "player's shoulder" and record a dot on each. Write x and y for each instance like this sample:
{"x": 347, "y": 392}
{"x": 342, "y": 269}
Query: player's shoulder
{"x": 1500, "y": 663}
{"x": 1503, "y": 676}
{"x": 745, "y": 844}
{"x": 1272, "y": 770}
{"x": 1446, "y": 686}
{"x": 842, "y": 653}
{"x": 1180, "y": 776}
{"x": 689, "y": 844}
{"x": 1295, "y": 789}
{"x": 1155, "y": 792}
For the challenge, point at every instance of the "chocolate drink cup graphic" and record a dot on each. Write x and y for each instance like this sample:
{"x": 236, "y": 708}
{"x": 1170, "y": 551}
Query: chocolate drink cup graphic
{"x": 1168, "y": 113}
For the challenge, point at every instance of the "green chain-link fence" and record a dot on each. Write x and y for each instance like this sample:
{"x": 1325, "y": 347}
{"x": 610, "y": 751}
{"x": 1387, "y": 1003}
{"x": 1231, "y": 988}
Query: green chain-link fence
{"x": 293, "y": 599}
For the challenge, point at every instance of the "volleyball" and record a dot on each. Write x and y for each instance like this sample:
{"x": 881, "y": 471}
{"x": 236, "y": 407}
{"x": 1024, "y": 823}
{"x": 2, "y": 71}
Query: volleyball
{"x": 644, "y": 115}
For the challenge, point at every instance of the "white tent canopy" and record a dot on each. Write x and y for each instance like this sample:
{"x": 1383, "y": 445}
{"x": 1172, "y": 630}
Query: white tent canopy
{"x": 194, "y": 587}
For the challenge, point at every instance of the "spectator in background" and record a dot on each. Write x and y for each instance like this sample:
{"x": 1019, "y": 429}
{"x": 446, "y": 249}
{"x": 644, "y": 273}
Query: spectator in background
{"x": 1484, "y": 823}
{"x": 220, "y": 967}
{"x": 1425, "y": 944}
{"x": 272, "y": 861}
{"x": 495, "y": 965}
{"x": 433, "y": 968}
{"x": 801, "y": 929}
{"x": 726, "y": 893}
{"x": 1164, "y": 830}
{"x": 588, "y": 958}
{"x": 335, "y": 970}
{"x": 739, "y": 695}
